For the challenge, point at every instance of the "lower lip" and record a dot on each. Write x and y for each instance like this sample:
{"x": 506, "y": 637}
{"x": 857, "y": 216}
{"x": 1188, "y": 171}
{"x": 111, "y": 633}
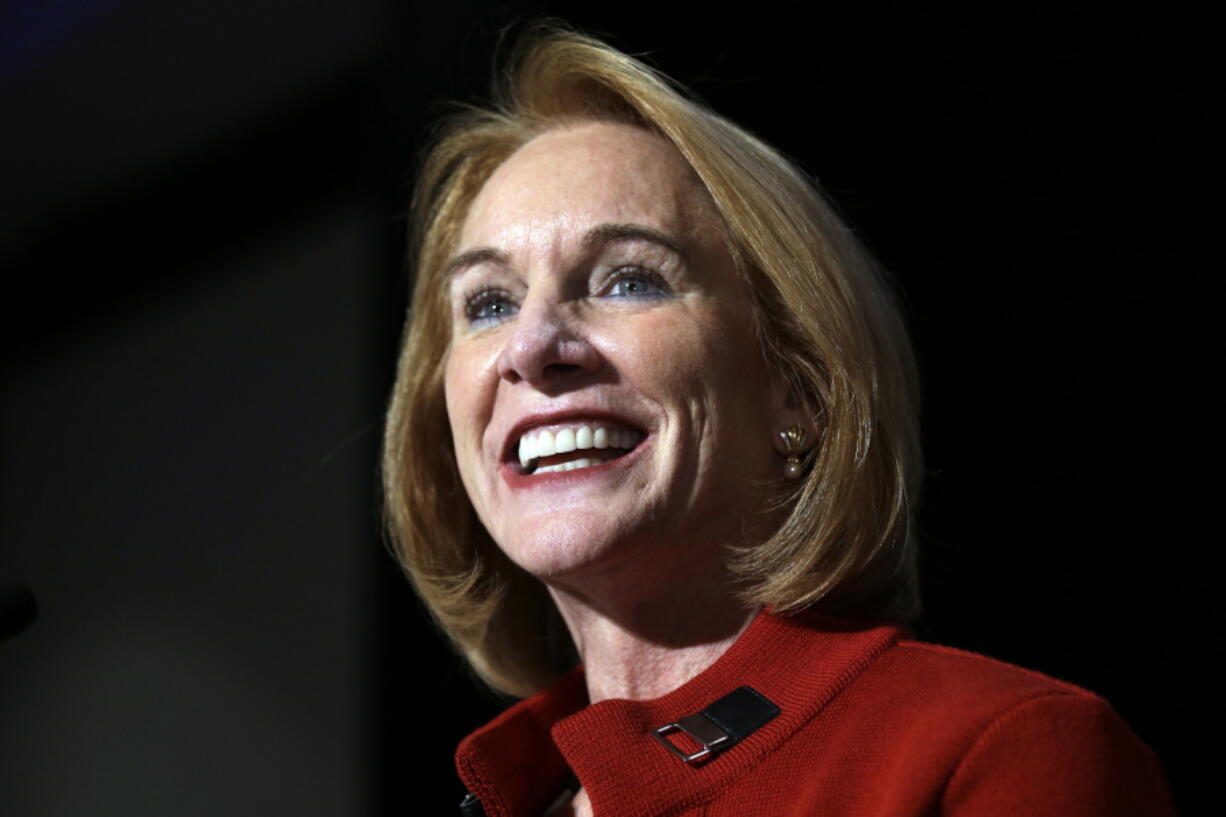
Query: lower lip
{"x": 517, "y": 480}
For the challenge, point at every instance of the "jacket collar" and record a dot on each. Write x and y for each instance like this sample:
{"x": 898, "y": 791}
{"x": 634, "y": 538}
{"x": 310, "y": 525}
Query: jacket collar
{"x": 518, "y": 763}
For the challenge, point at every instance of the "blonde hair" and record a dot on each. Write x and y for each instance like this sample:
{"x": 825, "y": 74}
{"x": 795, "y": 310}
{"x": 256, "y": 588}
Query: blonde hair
{"x": 825, "y": 316}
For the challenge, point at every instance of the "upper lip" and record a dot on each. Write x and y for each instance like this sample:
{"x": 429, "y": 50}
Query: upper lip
{"x": 510, "y": 446}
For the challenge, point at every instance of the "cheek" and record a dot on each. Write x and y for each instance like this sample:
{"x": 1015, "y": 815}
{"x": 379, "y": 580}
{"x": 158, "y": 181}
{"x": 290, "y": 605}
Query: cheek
{"x": 470, "y": 387}
{"x": 670, "y": 351}
{"x": 713, "y": 352}
{"x": 462, "y": 397}
{"x": 453, "y": 389}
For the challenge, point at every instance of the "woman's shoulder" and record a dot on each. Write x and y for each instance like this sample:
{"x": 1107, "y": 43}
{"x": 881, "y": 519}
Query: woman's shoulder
{"x": 900, "y": 726}
{"x": 963, "y": 690}
{"x": 1005, "y": 730}
{"x": 951, "y": 671}
{"x": 904, "y": 670}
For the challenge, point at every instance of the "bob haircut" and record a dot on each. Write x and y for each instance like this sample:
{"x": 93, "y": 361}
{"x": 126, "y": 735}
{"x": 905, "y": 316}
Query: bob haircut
{"x": 825, "y": 316}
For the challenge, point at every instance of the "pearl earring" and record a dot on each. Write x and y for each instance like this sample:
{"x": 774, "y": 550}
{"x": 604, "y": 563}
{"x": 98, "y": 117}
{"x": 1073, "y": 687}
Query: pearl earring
{"x": 793, "y": 438}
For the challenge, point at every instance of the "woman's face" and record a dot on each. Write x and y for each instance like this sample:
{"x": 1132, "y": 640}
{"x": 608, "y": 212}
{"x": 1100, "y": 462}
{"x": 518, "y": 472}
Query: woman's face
{"x": 610, "y": 406}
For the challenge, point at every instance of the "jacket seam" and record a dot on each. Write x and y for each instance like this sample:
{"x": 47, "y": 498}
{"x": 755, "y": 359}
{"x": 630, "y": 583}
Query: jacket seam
{"x": 1066, "y": 687}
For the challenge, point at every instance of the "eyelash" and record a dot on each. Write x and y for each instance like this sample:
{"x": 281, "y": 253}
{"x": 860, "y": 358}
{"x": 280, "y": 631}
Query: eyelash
{"x": 632, "y": 271}
{"x": 475, "y": 301}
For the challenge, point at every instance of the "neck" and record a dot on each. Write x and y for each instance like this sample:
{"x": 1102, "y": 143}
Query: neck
{"x": 641, "y": 647}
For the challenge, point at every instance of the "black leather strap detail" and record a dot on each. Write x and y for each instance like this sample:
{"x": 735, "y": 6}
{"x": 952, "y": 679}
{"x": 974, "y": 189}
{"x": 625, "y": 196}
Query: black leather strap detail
{"x": 470, "y": 806}
{"x": 724, "y": 723}
{"x": 741, "y": 712}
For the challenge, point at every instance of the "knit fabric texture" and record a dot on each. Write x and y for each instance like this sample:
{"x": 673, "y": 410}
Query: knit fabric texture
{"x": 870, "y": 723}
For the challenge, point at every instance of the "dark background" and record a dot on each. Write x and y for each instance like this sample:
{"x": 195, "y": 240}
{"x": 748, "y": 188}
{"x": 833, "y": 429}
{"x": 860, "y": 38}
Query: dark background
{"x": 201, "y": 232}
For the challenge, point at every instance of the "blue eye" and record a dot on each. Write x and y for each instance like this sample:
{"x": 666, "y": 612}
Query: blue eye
{"x": 635, "y": 282}
{"x": 488, "y": 306}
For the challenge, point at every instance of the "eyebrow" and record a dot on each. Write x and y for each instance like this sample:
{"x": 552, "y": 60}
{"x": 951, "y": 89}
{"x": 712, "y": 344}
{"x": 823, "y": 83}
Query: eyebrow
{"x": 471, "y": 258}
{"x": 606, "y": 233}
{"x": 593, "y": 239}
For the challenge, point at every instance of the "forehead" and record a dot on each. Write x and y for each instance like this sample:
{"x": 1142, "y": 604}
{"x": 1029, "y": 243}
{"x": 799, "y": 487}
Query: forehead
{"x": 575, "y": 178}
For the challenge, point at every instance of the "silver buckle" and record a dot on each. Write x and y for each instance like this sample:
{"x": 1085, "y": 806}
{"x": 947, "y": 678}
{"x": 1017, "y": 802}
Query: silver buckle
{"x": 700, "y": 728}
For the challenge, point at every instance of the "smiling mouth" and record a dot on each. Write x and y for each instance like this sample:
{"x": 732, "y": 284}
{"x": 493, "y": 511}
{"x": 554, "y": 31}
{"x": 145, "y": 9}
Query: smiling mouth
{"x": 571, "y": 446}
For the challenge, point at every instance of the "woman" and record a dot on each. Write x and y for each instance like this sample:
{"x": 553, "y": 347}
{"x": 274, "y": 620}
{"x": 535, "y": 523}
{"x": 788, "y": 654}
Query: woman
{"x": 683, "y": 453}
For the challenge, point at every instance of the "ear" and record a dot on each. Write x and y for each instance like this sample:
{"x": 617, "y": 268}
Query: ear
{"x": 790, "y": 411}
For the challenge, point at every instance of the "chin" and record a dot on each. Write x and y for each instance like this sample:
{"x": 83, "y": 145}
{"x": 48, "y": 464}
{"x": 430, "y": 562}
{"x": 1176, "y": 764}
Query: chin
{"x": 557, "y": 549}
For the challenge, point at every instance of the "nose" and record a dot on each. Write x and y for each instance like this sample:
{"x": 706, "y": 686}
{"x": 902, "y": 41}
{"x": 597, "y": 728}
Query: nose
{"x": 545, "y": 349}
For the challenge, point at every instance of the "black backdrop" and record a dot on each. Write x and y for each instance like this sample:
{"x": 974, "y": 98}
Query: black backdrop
{"x": 1037, "y": 180}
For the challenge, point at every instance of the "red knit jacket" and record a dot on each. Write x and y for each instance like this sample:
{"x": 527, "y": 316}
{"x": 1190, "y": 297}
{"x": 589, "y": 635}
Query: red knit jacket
{"x": 869, "y": 723}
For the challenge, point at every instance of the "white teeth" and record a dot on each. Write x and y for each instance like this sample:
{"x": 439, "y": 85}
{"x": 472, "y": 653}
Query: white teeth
{"x": 527, "y": 450}
{"x": 583, "y": 437}
{"x": 568, "y": 466}
{"x": 545, "y": 443}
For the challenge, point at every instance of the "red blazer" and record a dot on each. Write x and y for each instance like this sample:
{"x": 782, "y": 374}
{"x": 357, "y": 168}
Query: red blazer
{"x": 869, "y": 723}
